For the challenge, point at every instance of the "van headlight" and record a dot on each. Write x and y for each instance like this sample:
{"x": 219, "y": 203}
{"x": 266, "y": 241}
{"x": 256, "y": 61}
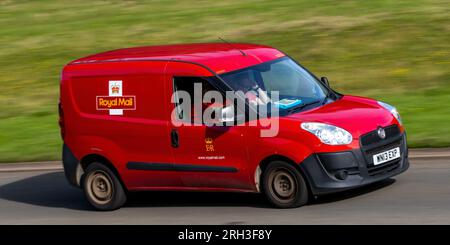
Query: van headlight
{"x": 328, "y": 134}
{"x": 392, "y": 110}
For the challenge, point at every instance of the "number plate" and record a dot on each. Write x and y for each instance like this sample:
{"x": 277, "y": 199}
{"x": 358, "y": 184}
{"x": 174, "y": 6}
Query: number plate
{"x": 386, "y": 156}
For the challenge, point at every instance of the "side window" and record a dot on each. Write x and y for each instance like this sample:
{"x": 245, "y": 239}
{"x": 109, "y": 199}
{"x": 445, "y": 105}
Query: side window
{"x": 188, "y": 90}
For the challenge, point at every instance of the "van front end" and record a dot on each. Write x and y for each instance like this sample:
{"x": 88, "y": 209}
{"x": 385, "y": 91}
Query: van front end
{"x": 338, "y": 171}
{"x": 354, "y": 141}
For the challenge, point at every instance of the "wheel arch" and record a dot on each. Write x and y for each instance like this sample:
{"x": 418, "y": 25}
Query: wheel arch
{"x": 94, "y": 157}
{"x": 276, "y": 157}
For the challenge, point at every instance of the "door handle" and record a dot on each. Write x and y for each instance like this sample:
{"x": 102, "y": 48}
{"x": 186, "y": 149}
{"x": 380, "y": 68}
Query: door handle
{"x": 174, "y": 138}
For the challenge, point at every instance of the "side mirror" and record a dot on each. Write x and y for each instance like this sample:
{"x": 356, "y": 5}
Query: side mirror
{"x": 216, "y": 116}
{"x": 324, "y": 80}
{"x": 227, "y": 115}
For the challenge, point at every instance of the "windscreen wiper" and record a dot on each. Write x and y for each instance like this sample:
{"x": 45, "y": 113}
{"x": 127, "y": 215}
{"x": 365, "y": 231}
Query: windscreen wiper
{"x": 299, "y": 107}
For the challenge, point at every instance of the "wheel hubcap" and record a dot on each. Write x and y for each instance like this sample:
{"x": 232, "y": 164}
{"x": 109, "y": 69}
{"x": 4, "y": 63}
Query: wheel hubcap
{"x": 283, "y": 185}
{"x": 100, "y": 187}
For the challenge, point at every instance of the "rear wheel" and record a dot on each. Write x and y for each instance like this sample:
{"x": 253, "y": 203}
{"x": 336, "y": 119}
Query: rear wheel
{"x": 284, "y": 186}
{"x": 102, "y": 188}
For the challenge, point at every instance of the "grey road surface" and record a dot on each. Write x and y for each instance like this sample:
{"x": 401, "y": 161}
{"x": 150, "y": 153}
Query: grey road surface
{"x": 419, "y": 196}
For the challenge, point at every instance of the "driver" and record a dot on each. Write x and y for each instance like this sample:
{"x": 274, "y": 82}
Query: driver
{"x": 251, "y": 89}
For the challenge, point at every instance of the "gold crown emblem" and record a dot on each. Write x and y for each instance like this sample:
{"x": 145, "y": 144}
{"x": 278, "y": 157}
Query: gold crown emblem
{"x": 115, "y": 89}
{"x": 208, "y": 140}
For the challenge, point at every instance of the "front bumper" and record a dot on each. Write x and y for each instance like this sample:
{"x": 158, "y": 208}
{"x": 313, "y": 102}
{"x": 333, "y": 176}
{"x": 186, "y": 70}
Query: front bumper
{"x": 339, "y": 171}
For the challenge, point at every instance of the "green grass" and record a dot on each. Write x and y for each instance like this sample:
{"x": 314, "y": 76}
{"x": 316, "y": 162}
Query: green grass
{"x": 396, "y": 51}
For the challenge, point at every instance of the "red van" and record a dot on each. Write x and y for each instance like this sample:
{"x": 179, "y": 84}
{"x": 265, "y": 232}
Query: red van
{"x": 119, "y": 119}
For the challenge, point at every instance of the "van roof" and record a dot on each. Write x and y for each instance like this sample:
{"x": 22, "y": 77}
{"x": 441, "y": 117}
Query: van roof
{"x": 219, "y": 57}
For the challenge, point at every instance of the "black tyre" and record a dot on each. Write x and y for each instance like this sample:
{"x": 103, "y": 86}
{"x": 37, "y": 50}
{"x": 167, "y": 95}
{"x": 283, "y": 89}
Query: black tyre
{"x": 284, "y": 186}
{"x": 102, "y": 188}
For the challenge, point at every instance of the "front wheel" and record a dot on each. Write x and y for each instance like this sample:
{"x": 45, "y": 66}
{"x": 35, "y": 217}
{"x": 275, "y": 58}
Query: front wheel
{"x": 102, "y": 188}
{"x": 284, "y": 186}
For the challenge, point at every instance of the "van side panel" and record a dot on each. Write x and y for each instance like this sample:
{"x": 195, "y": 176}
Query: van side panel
{"x": 138, "y": 134}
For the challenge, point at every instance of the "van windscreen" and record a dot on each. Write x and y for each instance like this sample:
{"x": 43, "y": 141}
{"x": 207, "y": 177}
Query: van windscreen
{"x": 294, "y": 84}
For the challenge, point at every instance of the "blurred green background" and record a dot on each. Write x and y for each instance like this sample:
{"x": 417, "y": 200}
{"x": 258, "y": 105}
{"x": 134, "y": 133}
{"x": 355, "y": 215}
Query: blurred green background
{"x": 396, "y": 51}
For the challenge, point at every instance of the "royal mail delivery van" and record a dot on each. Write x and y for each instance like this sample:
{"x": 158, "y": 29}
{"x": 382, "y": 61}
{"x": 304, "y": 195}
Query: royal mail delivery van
{"x": 190, "y": 117}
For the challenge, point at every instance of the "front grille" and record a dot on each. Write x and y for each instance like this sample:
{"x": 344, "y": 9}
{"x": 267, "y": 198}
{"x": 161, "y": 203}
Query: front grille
{"x": 372, "y": 144}
{"x": 383, "y": 168}
{"x": 373, "y": 138}
{"x": 382, "y": 148}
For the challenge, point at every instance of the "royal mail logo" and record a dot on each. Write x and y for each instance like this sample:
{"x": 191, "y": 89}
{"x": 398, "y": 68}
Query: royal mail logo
{"x": 115, "y": 102}
{"x": 122, "y": 102}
